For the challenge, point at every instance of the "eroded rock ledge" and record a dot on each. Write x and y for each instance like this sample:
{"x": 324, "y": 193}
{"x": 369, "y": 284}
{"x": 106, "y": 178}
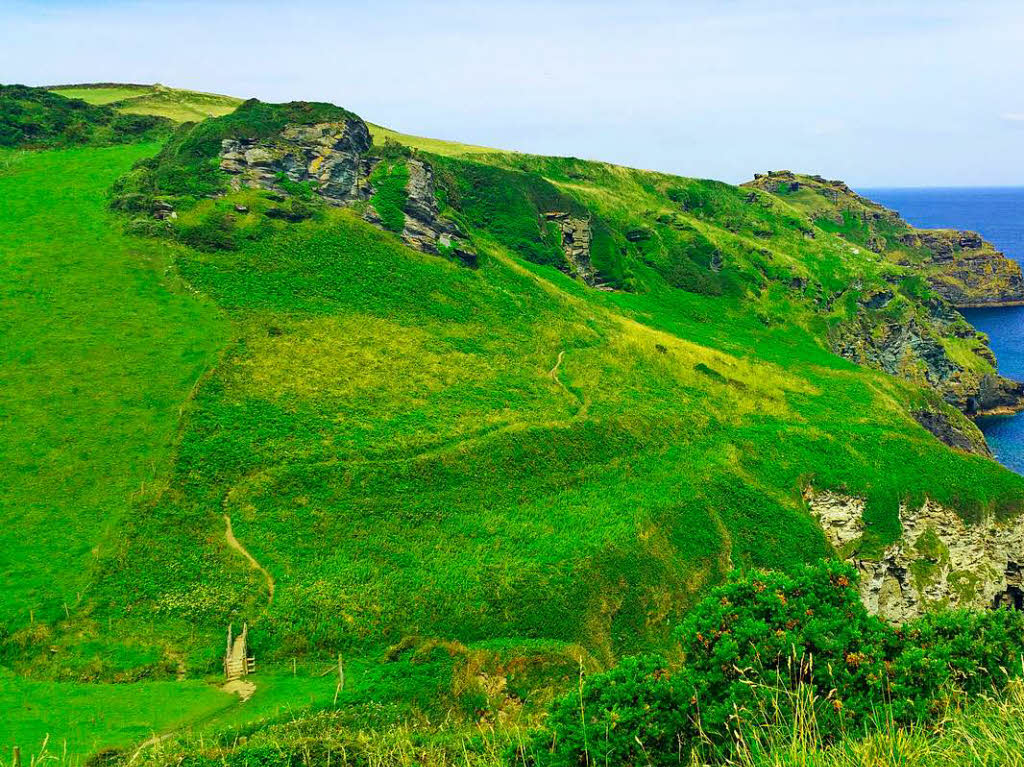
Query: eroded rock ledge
{"x": 938, "y": 561}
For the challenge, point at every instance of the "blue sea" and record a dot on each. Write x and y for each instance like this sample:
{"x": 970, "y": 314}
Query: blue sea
{"x": 998, "y": 214}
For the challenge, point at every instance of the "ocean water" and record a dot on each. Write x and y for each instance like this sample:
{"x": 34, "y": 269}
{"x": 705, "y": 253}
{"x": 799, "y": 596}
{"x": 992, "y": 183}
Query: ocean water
{"x": 998, "y": 214}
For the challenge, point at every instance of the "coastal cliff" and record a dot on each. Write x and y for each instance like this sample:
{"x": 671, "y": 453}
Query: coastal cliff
{"x": 961, "y": 267}
{"x": 938, "y": 561}
{"x": 904, "y": 322}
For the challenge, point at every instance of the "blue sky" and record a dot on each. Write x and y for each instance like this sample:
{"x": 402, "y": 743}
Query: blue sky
{"x": 904, "y": 92}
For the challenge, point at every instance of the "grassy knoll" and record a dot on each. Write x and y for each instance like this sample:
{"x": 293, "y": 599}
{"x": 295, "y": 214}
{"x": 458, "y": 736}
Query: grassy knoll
{"x": 173, "y": 103}
{"x": 34, "y": 118}
{"x": 102, "y": 346}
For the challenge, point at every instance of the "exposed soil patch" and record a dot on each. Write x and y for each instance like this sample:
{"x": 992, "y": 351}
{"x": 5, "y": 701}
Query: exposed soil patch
{"x": 229, "y": 536}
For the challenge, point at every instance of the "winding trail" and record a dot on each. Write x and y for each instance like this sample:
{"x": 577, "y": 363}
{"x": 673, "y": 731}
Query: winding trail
{"x": 150, "y": 742}
{"x": 584, "y": 402}
{"x": 456, "y": 443}
{"x": 229, "y": 536}
{"x": 554, "y": 371}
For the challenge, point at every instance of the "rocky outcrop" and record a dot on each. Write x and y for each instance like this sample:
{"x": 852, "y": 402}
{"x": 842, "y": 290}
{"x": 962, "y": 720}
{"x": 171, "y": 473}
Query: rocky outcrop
{"x": 576, "y": 239}
{"x": 333, "y": 158}
{"x": 913, "y": 349}
{"x": 955, "y": 431}
{"x": 939, "y": 561}
{"x": 970, "y": 272}
{"x": 425, "y": 229}
{"x": 917, "y": 337}
{"x": 905, "y": 350}
{"x": 997, "y": 396}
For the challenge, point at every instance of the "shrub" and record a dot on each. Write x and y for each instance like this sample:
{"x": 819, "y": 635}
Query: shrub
{"x": 954, "y": 651}
{"x": 35, "y": 118}
{"x": 754, "y": 641}
{"x": 213, "y": 232}
{"x": 630, "y": 715}
{"x": 771, "y": 630}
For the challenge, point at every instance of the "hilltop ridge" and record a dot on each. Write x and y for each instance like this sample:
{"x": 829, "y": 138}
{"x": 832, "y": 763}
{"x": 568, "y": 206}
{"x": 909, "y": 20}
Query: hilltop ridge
{"x": 34, "y": 118}
{"x": 177, "y": 104}
{"x": 880, "y": 316}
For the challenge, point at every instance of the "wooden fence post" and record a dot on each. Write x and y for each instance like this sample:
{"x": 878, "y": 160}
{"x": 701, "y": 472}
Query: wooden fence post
{"x": 341, "y": 680}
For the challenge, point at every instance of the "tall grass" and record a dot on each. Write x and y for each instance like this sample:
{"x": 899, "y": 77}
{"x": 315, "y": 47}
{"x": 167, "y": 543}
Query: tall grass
{"x": 987, "y": 731}
{"x": 980, "y": 733}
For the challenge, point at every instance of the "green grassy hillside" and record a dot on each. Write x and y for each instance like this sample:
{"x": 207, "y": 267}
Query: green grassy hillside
{"x": 173, "y": 103}
{"x": 34, "y": 118}
{"x": 503, "y": 464}
{"x": 104, "y": 345}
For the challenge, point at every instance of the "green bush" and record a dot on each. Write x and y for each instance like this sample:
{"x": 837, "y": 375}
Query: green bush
{"x": 968, "y": 652}
{"x": 761, "y": 636}
{"x": 215, "y": 231}
{"x": 630, "y": 716}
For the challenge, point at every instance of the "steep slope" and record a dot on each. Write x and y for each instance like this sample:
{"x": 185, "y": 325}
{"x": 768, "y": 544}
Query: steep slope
{"x": 410, "y": 441}
{"x": 101, "y": 348}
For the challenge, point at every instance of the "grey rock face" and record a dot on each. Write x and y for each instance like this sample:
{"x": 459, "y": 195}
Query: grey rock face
{"x": 939, "y": 560}
{"x": 425, "y": 229}
{"x": 963, "y": 436}
{"x": 332, "y": 157}
{"x": 576, "y": 240}
{"x": 914, "y": 350}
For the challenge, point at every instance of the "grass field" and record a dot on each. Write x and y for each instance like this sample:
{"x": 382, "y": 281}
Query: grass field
{"x": 102, "y": 346}
{"x": 103, "y": 94}
{"x": 77, "y": 720}
{"x": 437, "y": 146}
